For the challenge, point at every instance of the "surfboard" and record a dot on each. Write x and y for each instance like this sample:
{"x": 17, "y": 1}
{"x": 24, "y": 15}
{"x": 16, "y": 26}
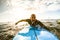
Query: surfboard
{"x": 34, "y": 33}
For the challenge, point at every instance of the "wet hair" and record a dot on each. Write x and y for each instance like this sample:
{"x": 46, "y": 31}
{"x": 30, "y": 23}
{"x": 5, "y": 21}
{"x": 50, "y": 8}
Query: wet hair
{"x": 33, "y": 15}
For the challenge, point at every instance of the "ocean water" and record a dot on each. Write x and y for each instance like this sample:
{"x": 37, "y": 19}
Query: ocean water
{"x": 7, "y": 30}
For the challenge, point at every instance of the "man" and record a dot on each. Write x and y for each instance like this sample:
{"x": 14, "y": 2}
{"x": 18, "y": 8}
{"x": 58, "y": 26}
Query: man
{"x": 33, "y": 22}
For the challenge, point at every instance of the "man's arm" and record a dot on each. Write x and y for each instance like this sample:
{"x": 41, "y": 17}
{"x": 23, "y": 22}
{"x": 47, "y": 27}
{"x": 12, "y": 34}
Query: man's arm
{"x": 41, "y": 24}
{"x": 20, "y": 21}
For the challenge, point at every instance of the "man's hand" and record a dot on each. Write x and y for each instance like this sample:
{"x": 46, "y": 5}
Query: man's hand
{"x": 16, "y": 23}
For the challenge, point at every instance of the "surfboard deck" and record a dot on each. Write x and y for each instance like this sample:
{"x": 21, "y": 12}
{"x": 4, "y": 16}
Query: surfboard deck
{"x": 31, "y": 33}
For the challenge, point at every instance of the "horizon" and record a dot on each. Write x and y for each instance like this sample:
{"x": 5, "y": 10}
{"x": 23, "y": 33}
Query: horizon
{"x": 42, "y": 20}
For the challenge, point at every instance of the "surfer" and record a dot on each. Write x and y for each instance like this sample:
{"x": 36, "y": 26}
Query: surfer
{"x": 33, "y": 22}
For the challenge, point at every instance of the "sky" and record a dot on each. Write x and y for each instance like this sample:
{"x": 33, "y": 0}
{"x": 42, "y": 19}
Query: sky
{"x": 14, "y": 10}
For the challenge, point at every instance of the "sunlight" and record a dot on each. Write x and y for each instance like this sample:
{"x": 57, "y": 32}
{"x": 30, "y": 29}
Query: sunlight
{"x": 23, "y": 11}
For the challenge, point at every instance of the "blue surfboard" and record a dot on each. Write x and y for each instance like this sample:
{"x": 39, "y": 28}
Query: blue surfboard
{"x": 33, "y": 33}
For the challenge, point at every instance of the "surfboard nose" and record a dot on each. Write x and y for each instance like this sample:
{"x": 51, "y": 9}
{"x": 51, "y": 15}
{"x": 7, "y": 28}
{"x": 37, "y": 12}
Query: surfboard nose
{"x": 35, "y": 34}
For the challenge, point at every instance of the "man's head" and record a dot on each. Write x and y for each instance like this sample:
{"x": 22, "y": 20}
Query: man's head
{"x": 33, "y": 17}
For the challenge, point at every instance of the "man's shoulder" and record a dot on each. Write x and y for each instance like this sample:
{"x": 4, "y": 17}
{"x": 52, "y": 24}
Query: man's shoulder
{"x": 27, "y": 19}
{"x": 37, "y": 20}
